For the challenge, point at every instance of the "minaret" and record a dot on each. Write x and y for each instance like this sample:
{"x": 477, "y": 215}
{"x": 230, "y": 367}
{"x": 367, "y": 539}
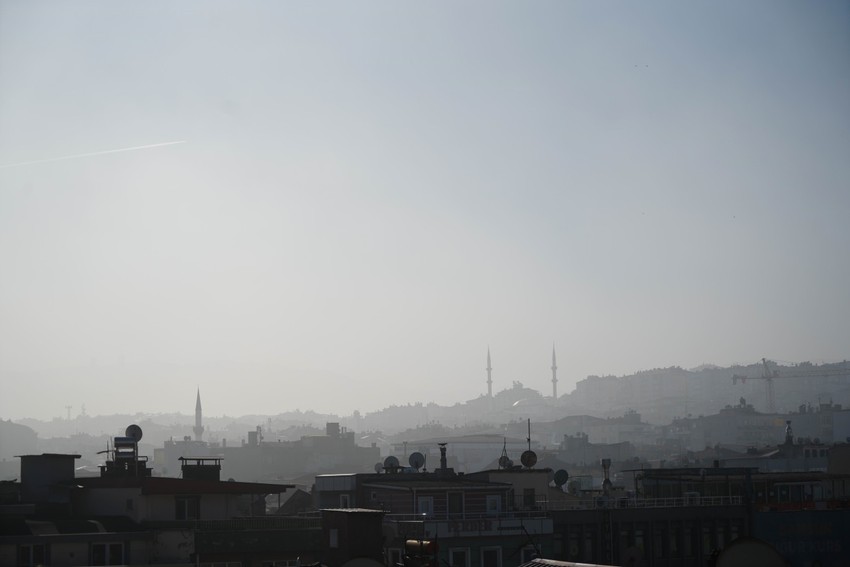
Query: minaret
{"x": 554, "y": 375}
{"x": 198, "y": 429}
{"x": 489, "y": 376}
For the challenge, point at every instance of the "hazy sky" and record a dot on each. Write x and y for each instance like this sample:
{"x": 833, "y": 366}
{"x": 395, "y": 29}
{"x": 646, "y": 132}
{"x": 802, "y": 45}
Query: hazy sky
{"x": 369, "y": 194}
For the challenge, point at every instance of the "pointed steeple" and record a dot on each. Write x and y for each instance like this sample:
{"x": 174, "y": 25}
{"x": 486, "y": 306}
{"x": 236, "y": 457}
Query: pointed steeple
{"x": 554, "y": 375}
{"x": 199, "y": 428}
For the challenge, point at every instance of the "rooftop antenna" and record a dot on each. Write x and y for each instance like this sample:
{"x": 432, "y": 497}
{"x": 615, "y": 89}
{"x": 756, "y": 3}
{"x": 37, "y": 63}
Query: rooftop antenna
{"x": 529, "y": 457}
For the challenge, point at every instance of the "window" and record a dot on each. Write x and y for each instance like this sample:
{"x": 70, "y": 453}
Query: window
{"x": 187, "y": 507}
{"x": 394, "y": 557}
{"x": 707, "y": 543}
{"x": 107, "y": 554}
{"x": 33, "y": 554}
{"x": 426, "y": 505}
{"x": 673, "y": 541}
{"x": 494, "y": 504}
{"x": 491, "y": 557}
{"x": 528, "y": 498}
{"x": 456, "y": 503}
{"x": 572, "y": 546}
{"x": 459, "y": 557}
{"x": 689, "y": 541}
{"x": 657, "y": 543}
{"x": 589, "y": 538}
{"x": 333, "y": 542}
{"x": 345, "y": 501}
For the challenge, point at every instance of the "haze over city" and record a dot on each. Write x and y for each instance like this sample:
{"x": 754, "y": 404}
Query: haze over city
{"x": 292, "y": 206}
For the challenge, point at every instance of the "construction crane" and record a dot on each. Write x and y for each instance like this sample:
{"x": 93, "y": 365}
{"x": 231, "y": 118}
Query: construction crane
{"x": 769, "y": 375}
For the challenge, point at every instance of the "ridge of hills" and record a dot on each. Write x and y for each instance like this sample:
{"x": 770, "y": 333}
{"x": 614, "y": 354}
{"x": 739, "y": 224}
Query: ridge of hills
{"x": 657, "y": 395}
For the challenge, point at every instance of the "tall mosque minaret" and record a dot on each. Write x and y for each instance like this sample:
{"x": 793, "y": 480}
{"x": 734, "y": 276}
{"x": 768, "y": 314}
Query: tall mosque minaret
{"x": 198, "y": 429}
{"x": 554, "y": 375}
{"x": 489, "y": 375}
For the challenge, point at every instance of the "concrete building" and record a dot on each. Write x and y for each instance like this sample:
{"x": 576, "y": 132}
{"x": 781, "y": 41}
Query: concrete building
{"x": 126, "y": 516}
{"x": 260, "y": 459}
{"x": 475, "y": 521}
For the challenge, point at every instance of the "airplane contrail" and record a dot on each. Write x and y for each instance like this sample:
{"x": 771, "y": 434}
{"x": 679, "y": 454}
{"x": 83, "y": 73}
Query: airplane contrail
{"x": 89, "y": 154}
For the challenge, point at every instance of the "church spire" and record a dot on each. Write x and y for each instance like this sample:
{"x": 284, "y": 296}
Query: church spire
{"x": 554, "y": 375}
{"x": 198, "y": 429}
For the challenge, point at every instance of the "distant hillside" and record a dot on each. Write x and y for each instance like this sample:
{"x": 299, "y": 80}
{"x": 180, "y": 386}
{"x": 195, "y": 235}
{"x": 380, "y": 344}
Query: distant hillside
{"x": 658, "y": 395}
{"x": 16, "y": 439}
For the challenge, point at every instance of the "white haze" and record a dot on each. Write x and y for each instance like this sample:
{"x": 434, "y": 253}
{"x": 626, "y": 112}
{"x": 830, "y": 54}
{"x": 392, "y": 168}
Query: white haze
{"x": 371, "y": 194}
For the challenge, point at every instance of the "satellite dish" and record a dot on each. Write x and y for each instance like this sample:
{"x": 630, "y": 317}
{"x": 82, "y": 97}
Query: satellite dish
{"x": 528, "y": 459}
{"x": 378, "y": 467}
{"x": 505, "y": 462}
{"x": 391, "y": 462}
{"x": 561, "y": 477}
{"x": 416, "y": 460}
{"x": 134, "y": 432}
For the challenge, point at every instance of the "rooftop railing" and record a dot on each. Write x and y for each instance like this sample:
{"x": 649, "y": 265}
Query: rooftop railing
{"x": 248, "y": 523}
{"x": 632, "y": 502}
{"x": 501, "y": 515}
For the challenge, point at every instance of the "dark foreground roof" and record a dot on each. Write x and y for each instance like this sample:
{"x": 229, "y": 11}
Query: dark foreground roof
{"x": 164, "y": 485}
{"x": 69, "y": 525}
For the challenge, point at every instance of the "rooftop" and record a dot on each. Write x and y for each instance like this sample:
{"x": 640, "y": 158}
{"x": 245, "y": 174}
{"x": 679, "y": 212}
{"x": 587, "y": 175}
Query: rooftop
{"x": 163, "y": 485}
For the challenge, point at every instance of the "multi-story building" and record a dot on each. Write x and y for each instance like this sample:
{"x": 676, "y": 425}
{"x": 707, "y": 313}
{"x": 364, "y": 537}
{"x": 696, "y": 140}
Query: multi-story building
{"x": 475, "y": 522}
{"x": 126, "y": 516}
{"x": 261, "y": 459}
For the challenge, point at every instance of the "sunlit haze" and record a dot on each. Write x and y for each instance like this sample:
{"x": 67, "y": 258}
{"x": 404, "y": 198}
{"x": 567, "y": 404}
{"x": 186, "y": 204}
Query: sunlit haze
{"x": 369, "y": 195}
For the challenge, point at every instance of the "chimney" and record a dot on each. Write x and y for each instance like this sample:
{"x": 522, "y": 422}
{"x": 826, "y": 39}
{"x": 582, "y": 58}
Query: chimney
{"x": 444, "y": 469}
